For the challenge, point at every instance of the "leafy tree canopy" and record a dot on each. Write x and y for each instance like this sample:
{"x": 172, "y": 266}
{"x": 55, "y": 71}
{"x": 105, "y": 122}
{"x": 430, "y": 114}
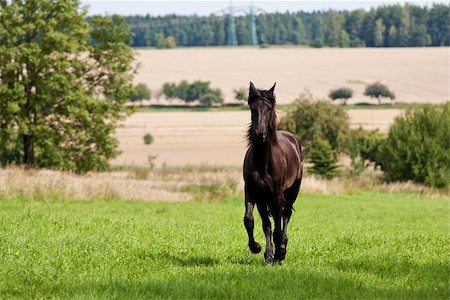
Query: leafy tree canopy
{"x": 378, "y": 90}
{"x": 63, "y": 84}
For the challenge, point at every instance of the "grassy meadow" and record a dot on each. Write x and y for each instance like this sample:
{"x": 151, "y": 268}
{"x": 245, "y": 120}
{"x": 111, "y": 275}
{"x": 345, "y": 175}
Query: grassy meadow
{"x": 360, "y": 245}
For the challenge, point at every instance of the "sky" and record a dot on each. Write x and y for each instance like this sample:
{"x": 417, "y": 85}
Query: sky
{"x": 204, "y": 8}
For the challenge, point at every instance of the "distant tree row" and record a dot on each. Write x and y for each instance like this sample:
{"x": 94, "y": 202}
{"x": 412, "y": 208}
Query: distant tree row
{"x": 195, "y": 91}
{"x": 385, "y": 26}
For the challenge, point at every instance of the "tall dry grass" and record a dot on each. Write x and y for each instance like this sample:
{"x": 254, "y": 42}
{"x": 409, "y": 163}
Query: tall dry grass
{"x": 185, "y": 183}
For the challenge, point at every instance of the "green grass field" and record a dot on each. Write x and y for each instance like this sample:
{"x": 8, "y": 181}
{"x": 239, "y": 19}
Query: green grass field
{"x": 368, "y": 245}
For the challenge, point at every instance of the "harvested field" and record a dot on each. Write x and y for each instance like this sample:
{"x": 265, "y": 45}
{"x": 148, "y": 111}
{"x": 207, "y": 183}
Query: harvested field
{"x": 414, "y": 74}
{"x": 215, "y": 138}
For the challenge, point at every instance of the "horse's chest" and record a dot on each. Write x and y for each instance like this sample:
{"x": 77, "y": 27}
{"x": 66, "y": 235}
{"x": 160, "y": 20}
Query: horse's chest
{"x": 260, "y": 181}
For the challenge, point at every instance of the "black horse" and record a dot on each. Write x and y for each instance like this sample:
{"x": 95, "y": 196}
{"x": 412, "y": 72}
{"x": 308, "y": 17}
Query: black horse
{"x": 273, "y": 169}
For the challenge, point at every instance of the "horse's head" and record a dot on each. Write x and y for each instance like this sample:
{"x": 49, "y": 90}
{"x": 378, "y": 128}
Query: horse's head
{"x": 262, "y": 106}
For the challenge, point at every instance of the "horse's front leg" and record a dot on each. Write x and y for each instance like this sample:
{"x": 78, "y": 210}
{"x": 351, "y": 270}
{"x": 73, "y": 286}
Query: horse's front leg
{"x": 278, "y": 233}
{"x": 249, "y": 223}
{"x": 267, "y": 229}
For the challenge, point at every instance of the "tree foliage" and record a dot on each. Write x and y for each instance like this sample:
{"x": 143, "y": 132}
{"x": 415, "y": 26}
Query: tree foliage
{"x": 417, "y": 147}
{"x": 141, "y": 92}
{"x": 312, "y": 120}
{"x": 341, "y": 93}
{"x": 378, "y": 90}
{"x": 241, "y": 94}
{"x": 324, "y": 159}
{"x": 392, "y": 25}
{"x": 195, "y": 91}
{"x": 362, "y": 146}
{"x": 55, "y": 69}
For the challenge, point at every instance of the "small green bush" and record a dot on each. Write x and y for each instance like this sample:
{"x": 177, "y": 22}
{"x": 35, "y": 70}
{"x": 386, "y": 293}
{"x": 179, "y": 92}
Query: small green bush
{"x": 309, "y": 120}
{"x": 324, "y": 159}
{"x": 364, "y": 145}
{"x": 148, "y": 139}
{"x": 417, "y": 147}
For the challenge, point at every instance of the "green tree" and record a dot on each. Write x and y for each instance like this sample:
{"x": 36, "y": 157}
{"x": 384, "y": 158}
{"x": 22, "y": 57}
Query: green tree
{"x": 310, "y": 120}
{"x": 159, "y": 40}
{"x": 240, "y": 94}
{"x": 378, "y": 90}
{"x": 392, "y": 36}
{"x": 141, "y": 92}
{"x": 324, "y": 159}
{"x": 404, "y": 27}
{"x": 344, "y": 39}
{"x": 54, "y": 68}
{"x": 379, "y": 33}
{"x": 417, "y": 147}
{"x": 342, "y": 93}
{"x": 334, "y": 27}
{"x": 211, "y": 98}
{"x": 170, "y": 90}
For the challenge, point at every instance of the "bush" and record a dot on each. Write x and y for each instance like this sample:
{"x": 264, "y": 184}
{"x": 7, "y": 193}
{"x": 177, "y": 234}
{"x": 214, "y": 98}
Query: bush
{"x": 341, "y": 93}
{"x": 364, "y": 145}
{"x": 324, "y": 159}
{"x": 148, "y": 139}
{"x": 311, "y": 120}
{"x": 417, "y": 147}
{"x": 378, "y": 90}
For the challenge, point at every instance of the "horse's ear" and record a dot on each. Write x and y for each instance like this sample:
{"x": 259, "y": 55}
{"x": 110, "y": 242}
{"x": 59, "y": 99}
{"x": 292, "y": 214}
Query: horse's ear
{"x": 252, "y": 91}
{"x": 271, "y": 94}
{"x": 272, "y": 89}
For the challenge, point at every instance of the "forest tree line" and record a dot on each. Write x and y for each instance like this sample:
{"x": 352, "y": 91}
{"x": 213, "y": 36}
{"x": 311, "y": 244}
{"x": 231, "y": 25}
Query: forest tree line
{"x": 385, "y": 26}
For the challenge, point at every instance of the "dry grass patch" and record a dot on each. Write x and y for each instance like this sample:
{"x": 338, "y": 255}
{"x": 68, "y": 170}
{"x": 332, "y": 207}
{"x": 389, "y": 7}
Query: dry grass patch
{"x": 203, "y": 183}
{"x": 42, "y": 184}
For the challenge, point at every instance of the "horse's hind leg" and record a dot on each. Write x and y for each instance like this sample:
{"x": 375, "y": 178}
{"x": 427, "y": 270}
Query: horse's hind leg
{"x": 249, "y": 223}
{"x": 267, "y": 228}
{"x": 290, "y": 195}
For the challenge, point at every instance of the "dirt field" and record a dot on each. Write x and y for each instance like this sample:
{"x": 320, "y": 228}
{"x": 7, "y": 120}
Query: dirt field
{"x": 414, "y": 74}
{"x": 215, "y": 138}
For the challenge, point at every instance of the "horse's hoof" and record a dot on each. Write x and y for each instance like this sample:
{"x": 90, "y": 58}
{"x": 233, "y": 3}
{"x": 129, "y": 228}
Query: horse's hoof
{"x": 281, "y": 255}
{"x": 255, "y": 248}
{"x": 269, "y": 260}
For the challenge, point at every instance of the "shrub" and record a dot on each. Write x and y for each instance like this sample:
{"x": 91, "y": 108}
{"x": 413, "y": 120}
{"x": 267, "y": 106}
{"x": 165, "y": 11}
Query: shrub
{"x": 170, "y": 42}
{"x": 341, "y": 93}
{"x": 148, "y": 139}
{"x": 311, "y": 120}
{"x": 324, "y": 159}
{"x": 417, "y": 146}
{"x": 378, "y": 90}
{"x": 364, "y": 145}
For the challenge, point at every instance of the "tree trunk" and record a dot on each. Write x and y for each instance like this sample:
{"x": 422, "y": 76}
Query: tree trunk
{"x": 28, "y": 150}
